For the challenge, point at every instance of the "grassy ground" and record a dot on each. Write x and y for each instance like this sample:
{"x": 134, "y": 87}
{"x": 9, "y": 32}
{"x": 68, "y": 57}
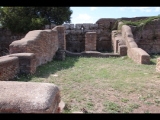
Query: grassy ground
{"x": 103, "y": 85}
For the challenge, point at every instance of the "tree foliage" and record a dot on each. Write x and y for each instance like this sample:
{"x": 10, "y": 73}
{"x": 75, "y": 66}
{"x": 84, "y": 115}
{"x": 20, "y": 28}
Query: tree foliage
{"x": 24, "y": 19}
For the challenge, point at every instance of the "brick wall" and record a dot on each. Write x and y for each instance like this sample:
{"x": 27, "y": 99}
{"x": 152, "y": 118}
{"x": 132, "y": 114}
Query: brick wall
{"x": 43, "y": 43}
{"x": 9, "y": 68}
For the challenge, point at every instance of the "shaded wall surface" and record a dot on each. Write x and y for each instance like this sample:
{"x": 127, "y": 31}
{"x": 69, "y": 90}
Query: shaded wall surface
{"x": 6, "y": 38}
{"x": 148, "y": 37}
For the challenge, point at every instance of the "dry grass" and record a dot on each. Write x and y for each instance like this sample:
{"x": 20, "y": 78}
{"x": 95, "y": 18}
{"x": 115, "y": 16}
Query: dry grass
{"x": 103, "y": 85}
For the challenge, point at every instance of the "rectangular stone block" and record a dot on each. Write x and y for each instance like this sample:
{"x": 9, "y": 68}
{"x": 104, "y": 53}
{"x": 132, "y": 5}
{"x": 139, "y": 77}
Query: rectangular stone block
{"x": 139, "y": 56}
{"x": 71, "y": 26}
{"x": 90, "y": 41}
{"x": 29, "y": 97}
{"x": 123, "y": 50}
{"x": 78, "y": 26}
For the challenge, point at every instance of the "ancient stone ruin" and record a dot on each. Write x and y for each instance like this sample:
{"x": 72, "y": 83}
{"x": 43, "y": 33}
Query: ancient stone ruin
{"x": 105, "y": 38}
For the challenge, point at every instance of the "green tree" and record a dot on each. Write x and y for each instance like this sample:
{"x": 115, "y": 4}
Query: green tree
{"x": 24, "y": 19}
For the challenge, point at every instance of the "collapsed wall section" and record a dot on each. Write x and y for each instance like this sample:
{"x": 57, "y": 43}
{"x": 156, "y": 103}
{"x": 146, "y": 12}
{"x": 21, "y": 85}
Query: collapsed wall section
{"x": 43, "y": 43}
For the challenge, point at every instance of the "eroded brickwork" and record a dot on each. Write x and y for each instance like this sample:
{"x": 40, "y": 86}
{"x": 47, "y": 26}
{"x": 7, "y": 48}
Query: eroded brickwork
{"x": 43, "y": 43}
{"x": 9, "y": 68}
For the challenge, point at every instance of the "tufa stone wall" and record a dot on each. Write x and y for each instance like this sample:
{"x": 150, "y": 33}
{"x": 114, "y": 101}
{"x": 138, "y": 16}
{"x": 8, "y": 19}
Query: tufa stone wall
{"x": 29, "y": 97}
{"x": 27, "y": 62}
{"x": 43, "y": 43}
{"x": 15, "y": 64}
{"x": 148, "y": 37}
{"x": 6, "y": 38}
{"x": 75, "y": 35}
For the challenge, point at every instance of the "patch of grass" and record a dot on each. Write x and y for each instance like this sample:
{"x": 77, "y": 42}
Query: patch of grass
{"x": 124, "y": 100}
{"x": 130, "y": 108}
{"x": 86, "y": 81}
{"x": 111, "y": 107}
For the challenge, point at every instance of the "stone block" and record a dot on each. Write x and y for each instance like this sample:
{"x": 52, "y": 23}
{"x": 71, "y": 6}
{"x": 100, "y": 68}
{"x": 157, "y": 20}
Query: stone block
{"x": 122, "y": 50}
{"x": 71, "y": 26}
{"x": 78, "y": 26}
{"x": 29, "y": 97}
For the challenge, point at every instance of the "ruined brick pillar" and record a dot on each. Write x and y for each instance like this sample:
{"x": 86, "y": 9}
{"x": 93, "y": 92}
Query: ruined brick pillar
{"x": 90, "y": 41}
{"x": 61, "y": 37}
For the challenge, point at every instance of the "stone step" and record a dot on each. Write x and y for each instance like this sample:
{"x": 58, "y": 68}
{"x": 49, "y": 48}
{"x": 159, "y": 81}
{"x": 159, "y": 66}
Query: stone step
{"x": 91, "y": 54}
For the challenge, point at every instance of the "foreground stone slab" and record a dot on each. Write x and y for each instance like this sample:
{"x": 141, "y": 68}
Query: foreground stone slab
{"x": 29, "y": 97}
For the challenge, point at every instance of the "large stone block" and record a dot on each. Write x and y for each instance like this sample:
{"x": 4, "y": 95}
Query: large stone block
{"x": 78, "y": 26}
{"x": 87, "y": 25}
{"x": 139, "y": 56}
{"x": 29, "y": 97}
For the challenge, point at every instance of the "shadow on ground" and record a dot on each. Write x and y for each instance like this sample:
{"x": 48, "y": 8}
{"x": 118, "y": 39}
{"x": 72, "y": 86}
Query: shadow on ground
{"x": 52, "y": 67}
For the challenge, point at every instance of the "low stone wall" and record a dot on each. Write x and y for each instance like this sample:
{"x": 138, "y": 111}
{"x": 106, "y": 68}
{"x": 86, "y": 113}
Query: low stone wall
{"x": 29, "y": 97}
{"x": 158, "y": 65}
{"x": 43, "y": 43}
{"x": 9, "y": 68}
{"x": 14, "y": 64}
{"x": 27, "y": 62}
{"x": 135, "y": 53}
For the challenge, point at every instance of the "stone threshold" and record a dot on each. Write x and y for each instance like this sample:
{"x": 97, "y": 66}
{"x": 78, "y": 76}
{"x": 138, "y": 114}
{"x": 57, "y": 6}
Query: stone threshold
{"x": 91, "y": 54}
